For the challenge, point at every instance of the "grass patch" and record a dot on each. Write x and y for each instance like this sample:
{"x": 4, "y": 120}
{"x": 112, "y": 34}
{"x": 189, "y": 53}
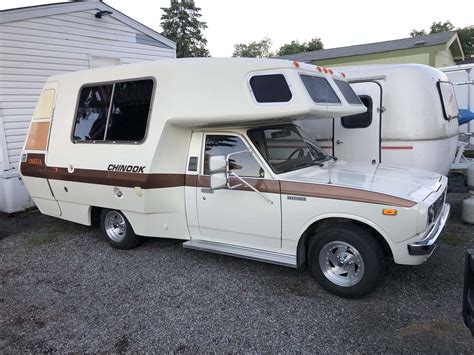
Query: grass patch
{"x": 50, "y": 233}
{"x": 453, "y": 239}
{"x": 469, "y": 153}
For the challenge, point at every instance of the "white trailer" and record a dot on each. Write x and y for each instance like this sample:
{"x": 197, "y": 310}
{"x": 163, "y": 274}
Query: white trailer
{"x": 206, "y": 151}
{"x": 39, "y": 41}
{"x": 411, "y": 118}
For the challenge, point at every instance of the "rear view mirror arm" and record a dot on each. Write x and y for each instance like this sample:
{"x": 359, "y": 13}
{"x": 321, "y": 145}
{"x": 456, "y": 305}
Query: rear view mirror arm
{"x": 231, "y": 173}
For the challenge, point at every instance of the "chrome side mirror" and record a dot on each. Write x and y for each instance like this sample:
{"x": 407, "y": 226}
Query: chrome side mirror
{"x": 218, "y": 181}
{"x": 217, "y": 164}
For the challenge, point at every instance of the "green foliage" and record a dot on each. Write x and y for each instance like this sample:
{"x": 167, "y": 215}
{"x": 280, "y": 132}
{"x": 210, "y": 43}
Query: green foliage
{"x": 260, "y": 49}
{"x": 180, "y": 22}
{"x": 437, "y": 27}
{"x": 297, "y": 47}
{"x": 416, "y": 33}
{"x": 466, "y": 37}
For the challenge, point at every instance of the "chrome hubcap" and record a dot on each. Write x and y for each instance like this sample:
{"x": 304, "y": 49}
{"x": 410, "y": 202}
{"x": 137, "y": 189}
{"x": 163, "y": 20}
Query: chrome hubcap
{"x": 115, "y": 226}
{"x": 341, "y": 263}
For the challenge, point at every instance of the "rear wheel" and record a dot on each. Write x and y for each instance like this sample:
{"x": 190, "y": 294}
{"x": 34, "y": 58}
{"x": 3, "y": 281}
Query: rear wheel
{"x": 117, "y": 230}
{"x": 346, "y": 260}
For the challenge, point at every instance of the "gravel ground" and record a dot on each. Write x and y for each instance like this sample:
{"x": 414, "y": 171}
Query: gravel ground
{"x": 64, "y": 289}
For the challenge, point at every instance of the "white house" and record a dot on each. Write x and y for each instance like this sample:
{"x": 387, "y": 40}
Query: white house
{"x": 39, "y": 41}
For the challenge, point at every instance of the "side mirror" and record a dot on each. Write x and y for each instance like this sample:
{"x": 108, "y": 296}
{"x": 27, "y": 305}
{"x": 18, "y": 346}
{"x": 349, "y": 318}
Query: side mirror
{"x": 218, "y": 181}
{"x": 468, "y": 299}
{"x": 217, "y": 164}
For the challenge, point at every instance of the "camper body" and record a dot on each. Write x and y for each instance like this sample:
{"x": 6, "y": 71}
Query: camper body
{"x": 206, "y": 150}
{"x": 410, "y": 119}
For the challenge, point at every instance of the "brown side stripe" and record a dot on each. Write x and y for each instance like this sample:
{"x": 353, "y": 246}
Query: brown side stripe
{"x": 342, "y": 193}
{"x": 35, "y": 167}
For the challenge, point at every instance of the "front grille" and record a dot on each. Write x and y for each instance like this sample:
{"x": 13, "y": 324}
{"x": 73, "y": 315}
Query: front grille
{"x": 436, "y": 207}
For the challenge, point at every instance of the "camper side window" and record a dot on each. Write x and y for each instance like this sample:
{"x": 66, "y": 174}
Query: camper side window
{"x": 115, "y": 112}
{"x": 361, "y": 120}
{"x": 319, "y": 89}
{"x": 270, "y": 88}
{"x": 91, "y": 117}
{"x": 243, "y": 163}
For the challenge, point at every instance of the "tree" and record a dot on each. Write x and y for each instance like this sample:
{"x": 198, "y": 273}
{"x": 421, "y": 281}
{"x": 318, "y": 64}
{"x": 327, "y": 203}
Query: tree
{"x": 437, "y": 27}
{"x": 466, "y": 37}
{"x": 416, "y": 33}
{"x": 297, "y": 47}
{"x": 180, "y": 22}
{"x": 260, "y": 49}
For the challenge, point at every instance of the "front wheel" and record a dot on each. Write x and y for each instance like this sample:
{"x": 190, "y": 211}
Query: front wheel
{"x": 117, "y": 230}
{"x": 346, "y": 260}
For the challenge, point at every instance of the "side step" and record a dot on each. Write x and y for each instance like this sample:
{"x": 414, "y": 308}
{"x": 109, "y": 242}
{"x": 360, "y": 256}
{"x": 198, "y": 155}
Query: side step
{"x": 242, "y": 252}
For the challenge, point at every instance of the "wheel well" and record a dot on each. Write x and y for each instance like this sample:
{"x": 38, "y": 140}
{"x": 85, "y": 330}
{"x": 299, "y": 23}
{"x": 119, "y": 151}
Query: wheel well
{"x": 95, "y": 216}
{"x": 312, "y": 230}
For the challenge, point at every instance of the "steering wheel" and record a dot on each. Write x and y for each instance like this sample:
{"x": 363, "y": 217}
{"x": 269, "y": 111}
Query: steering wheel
{"x": 300, "y": 152}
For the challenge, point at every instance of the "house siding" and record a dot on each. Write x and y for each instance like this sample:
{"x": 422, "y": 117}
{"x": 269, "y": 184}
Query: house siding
{"x": 34, "y": 49}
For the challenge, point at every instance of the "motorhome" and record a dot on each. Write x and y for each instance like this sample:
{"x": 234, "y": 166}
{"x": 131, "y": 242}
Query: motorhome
{"x": 207, "y": 151}
{"x": 411, "y": 118}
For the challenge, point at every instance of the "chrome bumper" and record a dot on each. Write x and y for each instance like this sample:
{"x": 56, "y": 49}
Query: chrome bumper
{"x": 428, "y": 243}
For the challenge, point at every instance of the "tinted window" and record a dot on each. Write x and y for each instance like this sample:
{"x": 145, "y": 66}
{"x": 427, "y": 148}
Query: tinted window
{"x": 270, "y": 88}
{"x": 361, "y": 120}
{"x": 320, "y": 90}
{"x": 448, "y": 99}
{"x": 244, "y": 164}
{"x": 349, "y": 94}
{"x": 91, "y": 118}
{"x": 123, "y": 117}
{"x": 130, "y": 108}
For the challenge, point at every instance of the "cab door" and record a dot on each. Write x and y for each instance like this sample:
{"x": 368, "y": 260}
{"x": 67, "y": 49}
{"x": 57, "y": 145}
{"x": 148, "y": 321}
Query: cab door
{"x": 238, "y": 216}
{"x": 357, "y": 137}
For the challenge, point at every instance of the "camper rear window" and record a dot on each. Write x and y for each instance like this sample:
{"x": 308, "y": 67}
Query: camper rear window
{"x": 270, "y": 88}
{"x": 115, "y": 112}
{"x": 320, "y": 90}
{"x": 349, "y": 94}
{"x": 448, "y": 99}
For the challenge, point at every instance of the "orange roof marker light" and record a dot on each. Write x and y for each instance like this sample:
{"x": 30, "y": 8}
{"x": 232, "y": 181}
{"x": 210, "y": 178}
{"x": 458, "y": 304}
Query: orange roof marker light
{"x": 296, "y": 64}
{"x": 330, "y": 71}
{"x": 319, "y": 69}
{"x": 325, "y": 70}
{"x": 343, "y": 75}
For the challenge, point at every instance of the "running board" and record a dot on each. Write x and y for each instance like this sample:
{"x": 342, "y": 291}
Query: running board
{"x": 242, "y": 252}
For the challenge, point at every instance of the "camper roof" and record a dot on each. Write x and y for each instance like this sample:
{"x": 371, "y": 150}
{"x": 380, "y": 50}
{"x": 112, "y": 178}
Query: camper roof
{"x": 202, "y": 91}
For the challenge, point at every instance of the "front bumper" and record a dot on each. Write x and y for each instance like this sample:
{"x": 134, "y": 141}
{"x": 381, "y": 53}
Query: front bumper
{"x": 426, "y": 245}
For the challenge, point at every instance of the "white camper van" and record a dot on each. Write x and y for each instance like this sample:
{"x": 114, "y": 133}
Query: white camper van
{"x": 411, "y": 118}
{"x": 206, "y": 151}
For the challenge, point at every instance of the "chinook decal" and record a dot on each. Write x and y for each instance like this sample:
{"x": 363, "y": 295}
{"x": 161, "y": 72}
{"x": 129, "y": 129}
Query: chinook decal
{"x": 126, "y": 168}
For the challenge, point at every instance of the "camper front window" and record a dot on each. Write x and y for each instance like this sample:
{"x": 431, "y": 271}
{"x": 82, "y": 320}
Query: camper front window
{"x": 319, "y": 89}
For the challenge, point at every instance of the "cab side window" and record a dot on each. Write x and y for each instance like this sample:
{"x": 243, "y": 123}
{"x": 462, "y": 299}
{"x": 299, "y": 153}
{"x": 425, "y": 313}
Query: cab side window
{"x": 244, "y": 164}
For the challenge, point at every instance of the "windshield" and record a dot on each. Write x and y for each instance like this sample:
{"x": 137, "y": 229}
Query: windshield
{"x": 287, "y": 147}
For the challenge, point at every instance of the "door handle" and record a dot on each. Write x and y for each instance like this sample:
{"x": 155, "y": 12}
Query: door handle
{"x": 339, "y": 141}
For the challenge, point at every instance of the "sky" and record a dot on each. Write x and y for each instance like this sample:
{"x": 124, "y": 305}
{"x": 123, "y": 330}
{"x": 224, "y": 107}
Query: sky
{"x": 338, "y": 23}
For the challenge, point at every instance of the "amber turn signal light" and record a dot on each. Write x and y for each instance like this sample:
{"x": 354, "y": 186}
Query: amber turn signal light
{"x": 389, "y": 212}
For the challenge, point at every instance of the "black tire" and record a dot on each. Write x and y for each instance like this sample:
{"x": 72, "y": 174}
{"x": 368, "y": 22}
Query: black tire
{"x": 331, "y": 241}
{"x": 117, "y": 230}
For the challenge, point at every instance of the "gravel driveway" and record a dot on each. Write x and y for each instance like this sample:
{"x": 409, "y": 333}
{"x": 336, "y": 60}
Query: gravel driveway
{"x": 64, "y": 289}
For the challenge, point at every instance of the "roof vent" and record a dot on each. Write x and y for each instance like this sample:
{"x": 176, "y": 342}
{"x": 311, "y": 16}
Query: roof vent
{"x": 419, "y": 43}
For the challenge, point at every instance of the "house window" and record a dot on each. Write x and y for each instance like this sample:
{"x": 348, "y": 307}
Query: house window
{"x": 360, "y": 120}
{"x": 114, "y": 112}
{"x": 320, "y": 90}
{"x": 244, "y": 163}
{"x": 270, "y": 88}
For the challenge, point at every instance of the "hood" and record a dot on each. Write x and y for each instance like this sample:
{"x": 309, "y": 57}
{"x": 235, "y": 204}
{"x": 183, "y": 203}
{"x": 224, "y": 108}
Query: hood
{"x": 406, "y": 183}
